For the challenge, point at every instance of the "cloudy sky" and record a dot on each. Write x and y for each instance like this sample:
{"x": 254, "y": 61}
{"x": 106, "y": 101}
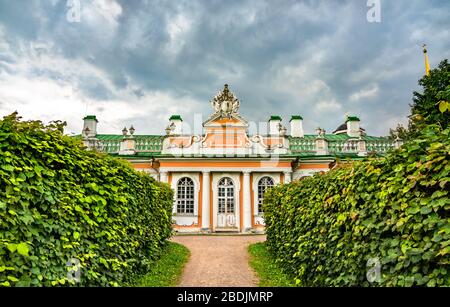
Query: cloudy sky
{"x": 138, "y": 62}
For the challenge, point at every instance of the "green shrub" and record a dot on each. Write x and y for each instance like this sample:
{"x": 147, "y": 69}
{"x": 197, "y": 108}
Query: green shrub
{"x": 59, "y": 201}
{"x": 324, "y": 229}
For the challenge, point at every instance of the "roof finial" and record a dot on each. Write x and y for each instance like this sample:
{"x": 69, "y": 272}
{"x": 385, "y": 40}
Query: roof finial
{"x": 225, "y": 88}
{"x": 427, "y": 63}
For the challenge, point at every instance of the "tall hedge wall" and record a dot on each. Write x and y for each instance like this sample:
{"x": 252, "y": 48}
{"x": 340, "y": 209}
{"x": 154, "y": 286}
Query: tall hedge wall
{"x": 59, "y": 201}
{"x": 323, "y": 230}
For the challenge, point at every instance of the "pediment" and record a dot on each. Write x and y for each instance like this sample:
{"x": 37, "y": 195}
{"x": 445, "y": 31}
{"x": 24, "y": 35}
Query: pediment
{"x": 219, "y": 121}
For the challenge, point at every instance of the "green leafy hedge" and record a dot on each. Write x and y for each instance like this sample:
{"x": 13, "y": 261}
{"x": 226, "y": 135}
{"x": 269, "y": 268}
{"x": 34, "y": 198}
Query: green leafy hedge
{"x": 59, "y": 201}
{"x": 323, "y": 230}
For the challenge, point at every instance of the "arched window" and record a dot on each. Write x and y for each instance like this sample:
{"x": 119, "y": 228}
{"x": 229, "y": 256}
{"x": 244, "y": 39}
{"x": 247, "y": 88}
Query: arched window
{"x": 263, "y": 184}
{"x": 185, "y": 196}
{"x": 226, "y": 195}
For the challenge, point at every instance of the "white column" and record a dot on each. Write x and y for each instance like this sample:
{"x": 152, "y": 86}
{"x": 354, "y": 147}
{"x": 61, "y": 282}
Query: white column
{"x": 287, "y": 177}
{"x": 205, "y": 201}
{"x": 247, "y": 203}
{"x": 163, "y": 177}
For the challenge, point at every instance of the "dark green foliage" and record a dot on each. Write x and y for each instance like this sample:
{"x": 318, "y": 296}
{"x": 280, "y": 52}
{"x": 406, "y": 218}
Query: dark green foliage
{"x": 431, "y": 106}
{"x": 324, "y": 229}
{"x": 59, "y": 201}
{"x": 425, "y": 108}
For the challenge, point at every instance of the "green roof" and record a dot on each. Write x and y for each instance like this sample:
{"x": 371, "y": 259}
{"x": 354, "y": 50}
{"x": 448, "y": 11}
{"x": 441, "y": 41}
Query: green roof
{"x": 352, "y": 119}
{"x": 337, "y": 143}
{"x": 175, "y": 117}
{"x": 149, "y": 143}
{"x": 90, "y": 117}
{"x": 275, "y": 117}
{"x": 339, "y": 137}
{"x": 296, "y": 117}
{"x": 300, "y": 147}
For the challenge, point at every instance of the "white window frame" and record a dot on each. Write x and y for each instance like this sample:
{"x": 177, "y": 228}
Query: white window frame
{"x": 185, "y": 199}
{"x": 276, "y": 177}
{"x": 226, "y": 197}
{"x": 259, "y": 198}
{"x": 174, "y": 184}
{"x": 235, "y": 177}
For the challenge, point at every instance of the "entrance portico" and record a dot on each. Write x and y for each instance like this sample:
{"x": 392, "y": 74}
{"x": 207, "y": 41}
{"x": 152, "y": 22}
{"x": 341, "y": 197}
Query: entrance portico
{"x": 225, "y": 194}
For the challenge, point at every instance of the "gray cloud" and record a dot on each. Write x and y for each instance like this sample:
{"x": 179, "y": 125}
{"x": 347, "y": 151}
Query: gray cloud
{"x": 319, "y": 59}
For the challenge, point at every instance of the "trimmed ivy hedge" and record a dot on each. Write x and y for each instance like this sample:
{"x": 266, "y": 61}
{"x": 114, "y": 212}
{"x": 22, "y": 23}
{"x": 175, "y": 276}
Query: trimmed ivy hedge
{"x": 333, "y": 229}
{"x": 60, "y": 202}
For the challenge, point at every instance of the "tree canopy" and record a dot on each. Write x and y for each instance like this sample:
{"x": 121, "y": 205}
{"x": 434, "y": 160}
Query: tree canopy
{"x": 431, "y": 106}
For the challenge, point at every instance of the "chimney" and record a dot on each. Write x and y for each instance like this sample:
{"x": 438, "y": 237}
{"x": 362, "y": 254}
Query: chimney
{"x": 353, "y": 127}
{"x": 274, "y": 125}
{"x": 90, "y": 122}
{"x": 296, "y": 126}
{"x": 175, "y": 125}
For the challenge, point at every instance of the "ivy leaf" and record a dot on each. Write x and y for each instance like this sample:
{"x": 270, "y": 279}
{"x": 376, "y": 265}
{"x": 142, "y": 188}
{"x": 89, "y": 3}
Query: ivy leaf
{"x": 443, "y": 106}
{"x": 11, "y": 247}
{"x": 425, "y": 210}
{"x": 444, "y": 251}
{"x": 8, "y": 167}
{"x": 38, "y": 169}
{"x": 431, "y": 283}
{"x": 23, "y": 249}
{"x": 12, "y": 278}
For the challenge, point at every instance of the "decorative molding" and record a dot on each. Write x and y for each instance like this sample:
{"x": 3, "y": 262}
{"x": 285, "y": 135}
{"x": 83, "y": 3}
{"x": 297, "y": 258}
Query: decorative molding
{"x": 218, "y": 177}
{"x": 258, "y": 223}
{"x": 258, "y": 176}
{"x": 225, "y": 103}
{"x": 194, "y": 224}
{"x": 176, "y": 169}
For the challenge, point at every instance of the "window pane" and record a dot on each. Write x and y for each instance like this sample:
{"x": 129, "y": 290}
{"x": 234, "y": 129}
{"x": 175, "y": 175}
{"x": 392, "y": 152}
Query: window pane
{"x": 263, "y": 184}
{"x": 185, "y": 196}
{"x": 226, "y": 195}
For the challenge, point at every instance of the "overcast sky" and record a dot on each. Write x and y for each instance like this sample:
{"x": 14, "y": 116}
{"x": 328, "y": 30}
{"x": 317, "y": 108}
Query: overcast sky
{"x": 138, "y": 62}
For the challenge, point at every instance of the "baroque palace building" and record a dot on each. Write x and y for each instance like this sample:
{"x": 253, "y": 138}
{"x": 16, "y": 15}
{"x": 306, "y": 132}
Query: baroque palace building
{"x": 219, "y": 176}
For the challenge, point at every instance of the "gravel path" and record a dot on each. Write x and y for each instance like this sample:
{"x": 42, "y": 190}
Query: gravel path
{"x": 218, "y": 261}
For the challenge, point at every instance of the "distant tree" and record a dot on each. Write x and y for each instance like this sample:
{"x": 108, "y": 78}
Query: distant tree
{"x": 400, "y": 131}
{"x": 432, "y": 105}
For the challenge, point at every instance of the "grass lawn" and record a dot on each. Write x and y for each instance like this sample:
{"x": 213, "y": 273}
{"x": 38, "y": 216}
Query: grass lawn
{"x": 166, "y": 271}
{"x": 269, "y": 273}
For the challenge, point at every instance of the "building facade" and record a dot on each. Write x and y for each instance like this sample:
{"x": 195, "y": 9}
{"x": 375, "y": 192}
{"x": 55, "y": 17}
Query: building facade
{"x": 219, "y": 176}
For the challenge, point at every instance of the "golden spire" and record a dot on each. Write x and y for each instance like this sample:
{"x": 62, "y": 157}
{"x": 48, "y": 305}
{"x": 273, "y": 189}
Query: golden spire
{"x": 427, "y": 63}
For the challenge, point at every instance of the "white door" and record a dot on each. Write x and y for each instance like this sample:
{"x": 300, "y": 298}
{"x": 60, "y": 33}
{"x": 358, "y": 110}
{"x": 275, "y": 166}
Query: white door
{"x": 226, "y": 217}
